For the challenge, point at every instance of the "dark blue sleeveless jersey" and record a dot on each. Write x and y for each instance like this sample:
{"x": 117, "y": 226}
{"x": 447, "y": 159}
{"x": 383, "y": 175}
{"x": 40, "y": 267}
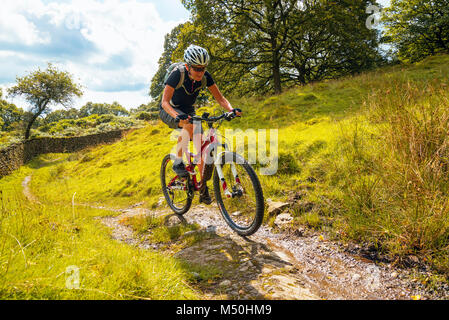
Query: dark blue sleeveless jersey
{"x": 184, "y": 97}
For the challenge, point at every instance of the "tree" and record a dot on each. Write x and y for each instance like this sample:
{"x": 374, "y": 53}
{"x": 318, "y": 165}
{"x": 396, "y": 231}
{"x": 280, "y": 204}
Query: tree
{"x": 245, "y": 35}
{"x": 61, "y": 114}
{"x": 2, "y": 122}
{"x": 332, "y": 41}
{"x": 102, "y": 108}
{"x": 149, "y": 107}
{"x": 417, "y": 28}
{"x": 174, "y": 46}
{"x": 263, "y": 45}
{"x": 42, "y": 89}
{"x": 9, "y": 114}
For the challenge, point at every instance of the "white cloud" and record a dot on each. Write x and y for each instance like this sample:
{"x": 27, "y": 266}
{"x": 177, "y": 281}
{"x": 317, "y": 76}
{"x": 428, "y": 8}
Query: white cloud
{"x": 108, "y": 45}
{"x": 384, "y": 3}
{"x": 14, "y": 25}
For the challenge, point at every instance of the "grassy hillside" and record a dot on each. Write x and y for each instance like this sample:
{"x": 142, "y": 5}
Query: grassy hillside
{"x": 346, "y": 142}
{"x": 369, "y": 153}
{"x": 40, "y": 241}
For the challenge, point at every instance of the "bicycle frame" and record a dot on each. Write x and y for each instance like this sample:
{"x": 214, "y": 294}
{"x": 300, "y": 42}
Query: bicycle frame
{"x": 208, "y": 153}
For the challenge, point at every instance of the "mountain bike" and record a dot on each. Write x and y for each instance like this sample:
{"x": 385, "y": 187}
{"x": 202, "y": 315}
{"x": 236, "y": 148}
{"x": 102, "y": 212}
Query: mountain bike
{"x": 237, "y": 188}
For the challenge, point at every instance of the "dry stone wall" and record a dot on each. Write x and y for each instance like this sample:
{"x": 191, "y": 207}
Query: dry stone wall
{"x": 16, "y": 155}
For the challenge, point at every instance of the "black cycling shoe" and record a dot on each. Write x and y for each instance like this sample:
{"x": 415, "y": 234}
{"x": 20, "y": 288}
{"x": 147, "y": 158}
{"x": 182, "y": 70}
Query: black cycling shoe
{"x": 205, "y": 197}
{"x": 180, "y": 170}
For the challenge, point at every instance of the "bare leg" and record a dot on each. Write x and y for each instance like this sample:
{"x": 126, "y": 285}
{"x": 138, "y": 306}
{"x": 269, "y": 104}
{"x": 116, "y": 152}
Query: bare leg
{"x": 183, "y": 143}
{"x": 188, "y": 131}
{"x": 197, "y": 142}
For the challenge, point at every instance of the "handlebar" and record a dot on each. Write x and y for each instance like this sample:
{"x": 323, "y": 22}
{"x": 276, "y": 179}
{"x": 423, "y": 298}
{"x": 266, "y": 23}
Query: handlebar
{"x": 211, "y": 119}
{"x": 205, "y": 117}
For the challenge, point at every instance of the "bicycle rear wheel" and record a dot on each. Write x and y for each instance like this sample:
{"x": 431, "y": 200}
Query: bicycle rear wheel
{"x": 243, "y": 206}
{"x": 177, "y": 191}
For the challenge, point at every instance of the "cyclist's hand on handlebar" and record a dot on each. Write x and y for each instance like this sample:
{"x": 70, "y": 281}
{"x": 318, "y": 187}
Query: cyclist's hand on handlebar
{"x": 238, "y": 112}
{"x": 232, "y": 114}
{"x": 182, "y": 119}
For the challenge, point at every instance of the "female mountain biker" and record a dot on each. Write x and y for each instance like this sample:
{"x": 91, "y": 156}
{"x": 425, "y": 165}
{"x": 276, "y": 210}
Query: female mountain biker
{"x": 177, "y": 106}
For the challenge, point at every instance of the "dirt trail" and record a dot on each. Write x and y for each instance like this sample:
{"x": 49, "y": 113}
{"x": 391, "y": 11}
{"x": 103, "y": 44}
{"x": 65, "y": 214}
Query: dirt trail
{"x": 27, "y": 191}
{"x": 250, "y": 269}
{"x": 271, "y": 265}
{"x": 286, "y": 266}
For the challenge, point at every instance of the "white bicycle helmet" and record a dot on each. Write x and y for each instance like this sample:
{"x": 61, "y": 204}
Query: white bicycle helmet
{"x": 195, "y": 55}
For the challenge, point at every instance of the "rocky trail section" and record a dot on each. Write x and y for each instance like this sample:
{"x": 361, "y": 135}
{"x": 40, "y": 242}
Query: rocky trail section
{"x": 270, "y": 265}
{"x": 249, "y": 269}
{"x": 285, "y": 266}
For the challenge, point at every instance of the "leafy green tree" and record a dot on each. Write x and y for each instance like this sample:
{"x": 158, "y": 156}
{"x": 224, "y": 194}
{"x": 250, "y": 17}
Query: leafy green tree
{"x": 10, "y": 115}
{"x": 331, "y": 41}
{"x": 42, "y": 89}
{"x": 245, "y": 35}
{"x": 61, "y": 114}
{"x": 263, "y": 45}
{"x": 2, "y": 122}
{"x": 175, "y": 44}
{"x": 102, "y": 108}
{"x": 149, "y": 107}
{"x": 417, "y": 28}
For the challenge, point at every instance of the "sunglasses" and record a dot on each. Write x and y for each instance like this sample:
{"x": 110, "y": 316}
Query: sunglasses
{"x": 198, "y": 69}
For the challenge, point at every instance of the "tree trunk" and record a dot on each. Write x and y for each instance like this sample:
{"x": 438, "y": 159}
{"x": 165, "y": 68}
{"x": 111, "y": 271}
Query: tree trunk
{"x": 276, "y": 67}
{"x": 440, "y": 40}
{"x": 30, "y": 124}
{"x": 302, "y": 74}
{"x": 276, "y": 76}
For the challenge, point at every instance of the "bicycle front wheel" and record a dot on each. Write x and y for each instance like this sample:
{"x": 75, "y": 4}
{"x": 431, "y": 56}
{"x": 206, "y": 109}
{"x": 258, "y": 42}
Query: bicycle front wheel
{"x": 176, "y": 191}
{"x": 239, "y": 195}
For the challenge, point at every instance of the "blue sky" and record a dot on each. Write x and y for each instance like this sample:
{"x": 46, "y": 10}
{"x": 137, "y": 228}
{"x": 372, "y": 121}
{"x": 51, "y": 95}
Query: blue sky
{"x": 111, "y": 47}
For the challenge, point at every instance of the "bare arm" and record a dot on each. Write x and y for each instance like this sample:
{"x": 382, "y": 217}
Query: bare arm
{"x": 219, "y": 97}
{"x": 166, "y": 97}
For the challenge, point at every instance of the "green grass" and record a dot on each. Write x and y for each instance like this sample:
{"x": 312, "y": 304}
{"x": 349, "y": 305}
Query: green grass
{"x": 308, "y": 119}
{"x": 116, "y": 175}
{"x": 39, "y": 243}
{"x": 389, "y": 172}
{"x": 377, "y": 144}
{"x": 374, "y": 144}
